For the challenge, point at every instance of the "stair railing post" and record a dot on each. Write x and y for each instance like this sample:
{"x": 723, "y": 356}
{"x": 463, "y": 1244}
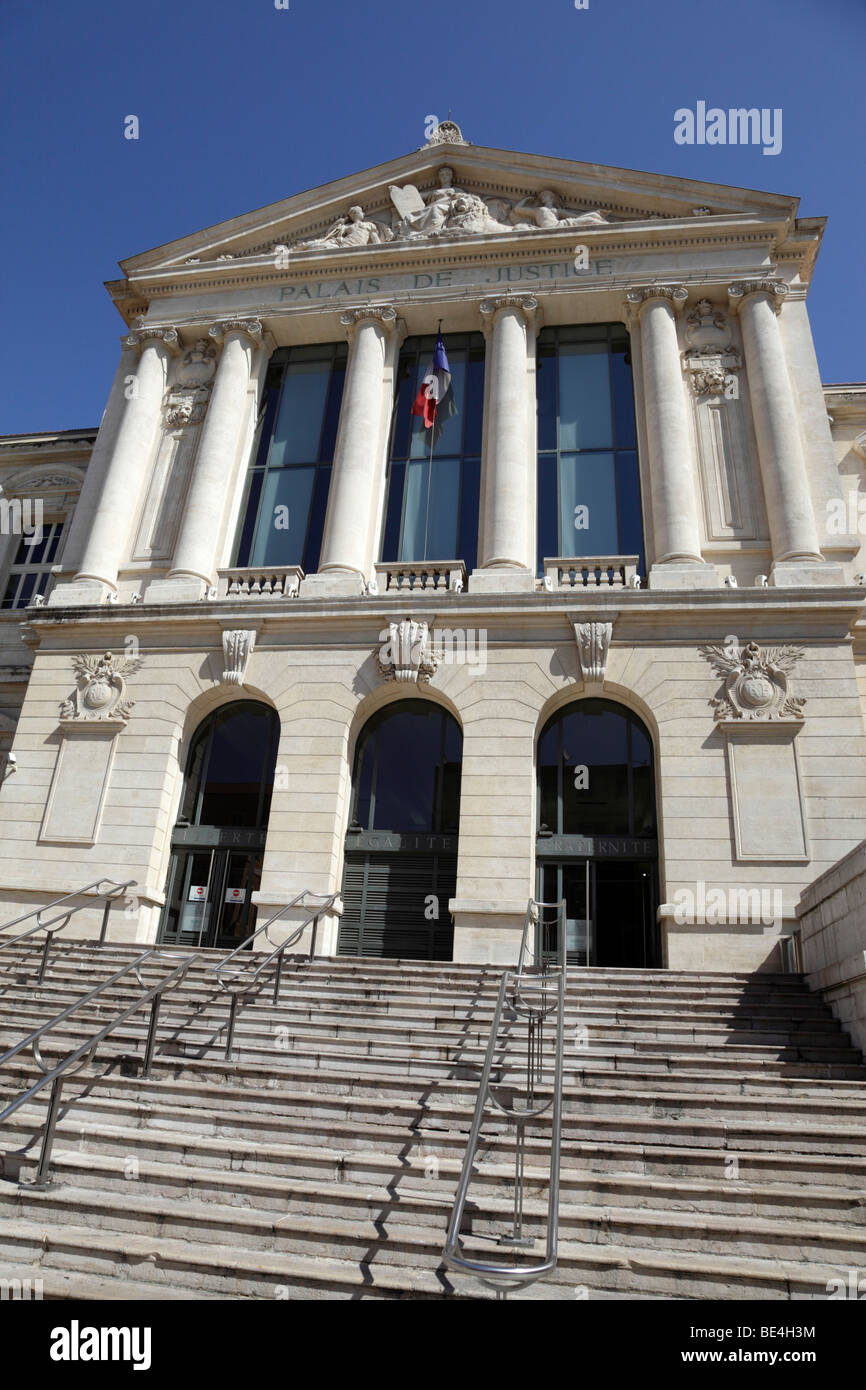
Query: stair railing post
{"x": 313, "y": 934}
{"x": 230, "y": 1034}
{"x": 46, "y": 949}
{"x": 151, "y": 1035}
{"x": 104, "y": 928}
{"x": 277, "y": 977}
{"x": 44, "y": 1169}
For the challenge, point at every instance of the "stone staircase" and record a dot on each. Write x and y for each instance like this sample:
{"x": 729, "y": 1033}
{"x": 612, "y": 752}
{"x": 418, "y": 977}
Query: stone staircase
{"x": 714, "y": 1137}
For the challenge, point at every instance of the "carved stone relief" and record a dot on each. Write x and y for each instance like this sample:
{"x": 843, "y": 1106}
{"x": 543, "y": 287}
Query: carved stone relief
{"x": 756, "y": 682}
{"x": 101, "y": 689}
{"x": 406, "y": 654}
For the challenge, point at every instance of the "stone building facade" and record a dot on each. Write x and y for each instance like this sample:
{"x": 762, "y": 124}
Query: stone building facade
{"x": 597, "y": 634}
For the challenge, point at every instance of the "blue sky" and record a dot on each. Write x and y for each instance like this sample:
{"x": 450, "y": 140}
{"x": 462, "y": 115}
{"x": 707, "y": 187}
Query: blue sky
{"x": 241, "y": 104}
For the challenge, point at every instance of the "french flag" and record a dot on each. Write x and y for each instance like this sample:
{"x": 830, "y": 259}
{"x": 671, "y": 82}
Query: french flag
{"x": 435, "y": 392}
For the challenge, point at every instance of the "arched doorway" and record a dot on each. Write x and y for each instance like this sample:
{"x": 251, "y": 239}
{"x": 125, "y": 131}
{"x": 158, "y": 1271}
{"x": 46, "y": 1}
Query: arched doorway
{"x": 597, "y": 843}
{"x": 401, "y": 846}
{"x": 219, "y": 839}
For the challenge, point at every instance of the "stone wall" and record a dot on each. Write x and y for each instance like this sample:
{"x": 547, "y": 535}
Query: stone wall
{"x": 832, "y": 915}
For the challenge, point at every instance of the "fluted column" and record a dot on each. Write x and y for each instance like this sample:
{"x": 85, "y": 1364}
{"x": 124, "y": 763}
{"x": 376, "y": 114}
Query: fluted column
{"x": 790, "y": 512}
{"x": 672, "y": 468}
{"x": 359, "y": 455}
{"x": 105, "y": 548}
{"x": 507, "y": 532}
{"x": 195, "y": 552}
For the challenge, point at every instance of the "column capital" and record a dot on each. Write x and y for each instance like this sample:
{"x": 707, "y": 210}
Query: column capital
{"x": 251, "y": 328}
{"x": 640, "y": 295}
{"x": 526, "y": 303}
{"x": 140, "y": 337}
{"x": 384, "y": 314}
{"x": 774, "y": 288}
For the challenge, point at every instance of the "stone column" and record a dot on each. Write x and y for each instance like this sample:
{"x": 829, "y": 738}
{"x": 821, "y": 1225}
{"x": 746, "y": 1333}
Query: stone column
{"x": 793, "y": 532}
{"x": 195, "y": 552}
{"x": 105, "y": 549}
{"x": 359, "y": 456}
{"x": 507, "y": 539}
{"x": 676, "y": 518}
{"x": 88, "y": 499}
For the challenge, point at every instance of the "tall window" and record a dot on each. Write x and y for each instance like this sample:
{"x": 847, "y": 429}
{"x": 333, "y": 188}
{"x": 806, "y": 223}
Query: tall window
{"x": 432, "y": 507}
{"x": 595, "y": 772}
{"x": 287, "y": 489}
{"x": 30, "y": 571}
{"x": 588, "y": 482}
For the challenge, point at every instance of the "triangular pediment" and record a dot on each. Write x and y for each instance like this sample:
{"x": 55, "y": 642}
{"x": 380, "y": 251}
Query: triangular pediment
{"x": 409, "y": 204}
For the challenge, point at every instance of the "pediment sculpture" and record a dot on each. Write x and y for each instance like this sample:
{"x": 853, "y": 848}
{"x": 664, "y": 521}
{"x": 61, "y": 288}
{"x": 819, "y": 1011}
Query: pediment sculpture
{"x": 347, "y": 232}
{"x": 447, "y": 210}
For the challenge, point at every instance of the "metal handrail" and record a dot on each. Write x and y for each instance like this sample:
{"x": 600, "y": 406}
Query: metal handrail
{"x": 110, "y": 894}
{"x": 518, "y": 985}
{"x": 244, "y": 985}
{"x": 84, "y": 1053}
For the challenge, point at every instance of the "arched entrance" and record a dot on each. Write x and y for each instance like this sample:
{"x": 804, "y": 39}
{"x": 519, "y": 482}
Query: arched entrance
{"x": 596, "y": 843}
{"x": 401, "y": 846}
{"x": 219, "y": 839}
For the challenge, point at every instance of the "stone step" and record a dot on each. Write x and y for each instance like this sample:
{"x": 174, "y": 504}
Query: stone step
{"x": 426, "y": 1052}
{"x": 407, "y": 1243}
{"x": 605, "y": 1098}
{"x": 310, "y": 1002}
{"x": 343, "y": 1179}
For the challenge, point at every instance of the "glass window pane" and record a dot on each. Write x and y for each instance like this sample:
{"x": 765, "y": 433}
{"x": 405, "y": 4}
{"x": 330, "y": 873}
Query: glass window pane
{"x": 630, "y": 520}
{"x": 587, "y": 481}
{"x": 584, "y": 398}
{"x": 241, "y": 759}
{"x": 332, "y": 414}
{"x": 299, "y": 419}
{"x": 443, "y": 509}
{"x": 470, "y": 491}
{"x": 277, "y": 543}
{"x": 546, "y": 391}
{"x": 317, "y": 519}
{"x": 407, "y": 777}
{"x": 415, "y": 512}
{"x": 548, "y": 539}
{"x": 473, "y": 415}
{"x": 623, "y": 399}
{"x": 451, "y": 438}
{"x": 394, "y": 512}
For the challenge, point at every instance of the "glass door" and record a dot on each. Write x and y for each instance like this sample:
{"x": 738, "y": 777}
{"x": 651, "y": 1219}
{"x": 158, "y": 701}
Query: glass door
{"x": 210, "y": 897}
{"x": 573, "y": 880}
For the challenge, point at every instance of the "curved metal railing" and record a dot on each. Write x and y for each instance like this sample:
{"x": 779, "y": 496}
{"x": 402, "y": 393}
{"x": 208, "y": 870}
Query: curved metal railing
{"x": 110, "y": 894}
{"x": 85, "y": 1052}
{"x": 537, "y": 997}
{"x": 245, "y": 984}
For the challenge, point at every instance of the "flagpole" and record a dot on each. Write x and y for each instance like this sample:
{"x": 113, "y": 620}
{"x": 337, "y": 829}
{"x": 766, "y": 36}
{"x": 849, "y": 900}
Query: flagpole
{"x": 435, "y": 411}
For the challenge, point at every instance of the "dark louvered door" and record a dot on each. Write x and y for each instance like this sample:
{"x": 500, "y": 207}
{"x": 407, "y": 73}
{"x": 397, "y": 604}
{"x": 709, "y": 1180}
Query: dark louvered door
{"x": 395, "y": 904}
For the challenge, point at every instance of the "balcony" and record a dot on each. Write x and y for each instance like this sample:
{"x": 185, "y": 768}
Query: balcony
{"x": 591, "y": 572}
{"x": 421, "y": 576}
{"x": 277, "y": 581}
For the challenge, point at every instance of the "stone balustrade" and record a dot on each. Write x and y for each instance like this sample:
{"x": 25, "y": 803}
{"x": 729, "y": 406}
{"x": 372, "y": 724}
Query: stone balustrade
{"x": 591, "y": 572}
{"x": 275, "y": 581}
{"x": 427, "y": 576}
